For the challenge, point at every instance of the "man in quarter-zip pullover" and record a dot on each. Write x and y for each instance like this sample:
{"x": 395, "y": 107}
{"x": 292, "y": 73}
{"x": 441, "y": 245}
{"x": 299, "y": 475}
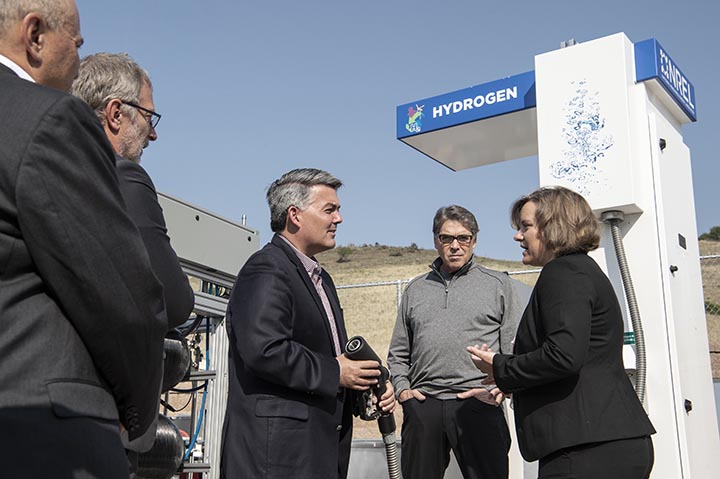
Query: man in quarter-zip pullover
{"x": 445, "y": 406}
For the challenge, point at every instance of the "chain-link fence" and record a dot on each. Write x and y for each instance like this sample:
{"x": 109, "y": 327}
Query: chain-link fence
{"x": 370, "y": 308}
{"x": 710, "y": 266}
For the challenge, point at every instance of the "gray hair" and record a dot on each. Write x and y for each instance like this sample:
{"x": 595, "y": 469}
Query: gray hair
{"x": 455, "y": 213}
{"x": 293, "y": 189}
{"x": 53, "y": 12}
{"x": 107, "y": 76}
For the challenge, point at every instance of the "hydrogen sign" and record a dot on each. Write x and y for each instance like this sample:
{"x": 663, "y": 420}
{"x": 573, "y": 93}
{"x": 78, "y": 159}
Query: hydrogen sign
{"x": 488, "y": 100}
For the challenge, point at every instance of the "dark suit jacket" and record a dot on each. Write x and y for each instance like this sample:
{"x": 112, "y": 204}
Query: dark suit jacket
{"x": 567, "y": 376}
{"x": 140, "y": 197}
{"x": 138, "y": 193}
{"x": 286, "y": 414}
{"x": 81, "y": 313}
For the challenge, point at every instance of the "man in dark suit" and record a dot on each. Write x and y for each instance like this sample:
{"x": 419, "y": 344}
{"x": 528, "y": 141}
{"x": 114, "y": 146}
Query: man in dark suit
{"x": 289, "y": 411}
{"x": 120, "y": 93}
{"x": 81, "y": 313}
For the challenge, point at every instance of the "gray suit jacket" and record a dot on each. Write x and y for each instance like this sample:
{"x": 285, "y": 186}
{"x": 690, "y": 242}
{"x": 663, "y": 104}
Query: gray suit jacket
{"x": 81, "y": 313}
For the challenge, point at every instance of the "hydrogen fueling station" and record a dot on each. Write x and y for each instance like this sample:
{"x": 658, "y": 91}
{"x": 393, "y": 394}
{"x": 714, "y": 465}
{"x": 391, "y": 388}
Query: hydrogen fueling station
{"x": 604, "y": 118}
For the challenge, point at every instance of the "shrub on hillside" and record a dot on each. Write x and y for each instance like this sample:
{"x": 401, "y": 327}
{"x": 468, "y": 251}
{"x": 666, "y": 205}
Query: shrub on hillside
{"x": 712, "y": 235}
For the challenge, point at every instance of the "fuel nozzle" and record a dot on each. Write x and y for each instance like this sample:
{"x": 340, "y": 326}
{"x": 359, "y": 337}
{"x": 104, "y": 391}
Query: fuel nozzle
{"x": 358, "y": 349}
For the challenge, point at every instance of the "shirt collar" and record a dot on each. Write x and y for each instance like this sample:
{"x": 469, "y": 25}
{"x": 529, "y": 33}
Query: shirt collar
{"x": 16, "y": 68}
{"x": 437, "y": 267}
{"x": 310, "y": 264}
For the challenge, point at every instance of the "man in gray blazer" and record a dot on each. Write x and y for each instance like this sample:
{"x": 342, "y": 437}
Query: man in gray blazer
{"x": 81, "y": 313}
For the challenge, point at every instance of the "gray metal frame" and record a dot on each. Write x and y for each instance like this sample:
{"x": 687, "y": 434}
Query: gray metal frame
{"x": 211, "y": 249}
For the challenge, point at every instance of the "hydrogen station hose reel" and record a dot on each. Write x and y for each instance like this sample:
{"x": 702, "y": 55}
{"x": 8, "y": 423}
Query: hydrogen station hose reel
{"x": 368, "y": 402}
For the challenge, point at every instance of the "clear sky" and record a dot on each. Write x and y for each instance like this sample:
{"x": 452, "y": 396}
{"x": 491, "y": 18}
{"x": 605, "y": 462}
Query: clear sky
{"x": 249, "y": 90}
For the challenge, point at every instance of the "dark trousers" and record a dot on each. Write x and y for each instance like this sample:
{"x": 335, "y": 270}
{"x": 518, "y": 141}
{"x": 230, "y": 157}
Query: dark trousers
{"x": 476, "y": 432}
{"x": 625, "y": 458}
{"x": 39, "y": 444}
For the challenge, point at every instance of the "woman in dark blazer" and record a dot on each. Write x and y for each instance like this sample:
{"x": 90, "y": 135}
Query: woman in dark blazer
{"x": 575, "y": 408}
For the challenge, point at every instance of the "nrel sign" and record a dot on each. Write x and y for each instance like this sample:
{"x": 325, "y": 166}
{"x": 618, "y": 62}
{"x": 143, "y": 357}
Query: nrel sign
{"x": 652, "y": 62}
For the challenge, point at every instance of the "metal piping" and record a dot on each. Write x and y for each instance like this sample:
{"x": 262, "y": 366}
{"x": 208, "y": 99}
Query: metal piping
{"x": 614, "y": 218}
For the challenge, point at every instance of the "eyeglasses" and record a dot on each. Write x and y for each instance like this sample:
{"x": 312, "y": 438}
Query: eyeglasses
{"x": 463, "y": 240}
{"x": 153, "y": 119}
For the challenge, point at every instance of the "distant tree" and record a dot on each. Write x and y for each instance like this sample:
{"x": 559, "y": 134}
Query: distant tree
{"x": 344, "y": 253}
{"x": 713, "y": 235}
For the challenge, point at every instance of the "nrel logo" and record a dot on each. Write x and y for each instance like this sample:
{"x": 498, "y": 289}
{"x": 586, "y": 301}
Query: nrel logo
{"x": 653, "y": 62}
{"x": 675, "y": 79}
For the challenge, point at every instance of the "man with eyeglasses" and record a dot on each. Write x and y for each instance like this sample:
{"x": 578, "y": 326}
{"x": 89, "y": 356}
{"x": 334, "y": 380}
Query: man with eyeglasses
{"x": 445, "y": 406}
{"x": 120, "y": 93}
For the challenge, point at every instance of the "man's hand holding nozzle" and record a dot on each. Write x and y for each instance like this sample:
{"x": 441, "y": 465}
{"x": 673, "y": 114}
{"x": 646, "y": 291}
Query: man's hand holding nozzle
{"x": 358, "y": 375}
